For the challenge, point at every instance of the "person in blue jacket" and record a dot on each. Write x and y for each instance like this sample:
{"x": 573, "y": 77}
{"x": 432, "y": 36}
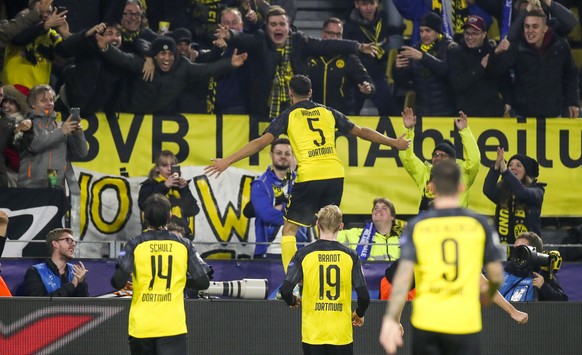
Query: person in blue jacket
{"x": 269, "y": 197}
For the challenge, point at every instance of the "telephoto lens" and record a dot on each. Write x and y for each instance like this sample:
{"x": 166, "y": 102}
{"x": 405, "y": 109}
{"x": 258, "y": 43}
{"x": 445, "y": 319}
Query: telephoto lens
{"x": 249, "y": 289}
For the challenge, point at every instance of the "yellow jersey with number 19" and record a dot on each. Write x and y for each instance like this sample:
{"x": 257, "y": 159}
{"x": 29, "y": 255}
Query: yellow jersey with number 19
{"x": 311, "y": 129}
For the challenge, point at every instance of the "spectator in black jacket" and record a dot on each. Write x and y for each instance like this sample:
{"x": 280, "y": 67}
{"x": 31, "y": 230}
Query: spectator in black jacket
{"x": 336, "y": 78}
{"x": 426, "y": 65}
{"x": 277, "y": 54}
{"x": 546, "y": 77}
{"x": 367, "y": 23}
{"x": 172, "y": 73}
{"x": 162, "y": 180}
{"x": 476, "y": 89}
{"x": 518, "y": 195}
{"x": 93, "y": 83}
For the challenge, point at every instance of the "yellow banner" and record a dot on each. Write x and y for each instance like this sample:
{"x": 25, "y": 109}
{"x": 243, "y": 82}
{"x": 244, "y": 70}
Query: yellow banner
{"x": 131, "y": 141}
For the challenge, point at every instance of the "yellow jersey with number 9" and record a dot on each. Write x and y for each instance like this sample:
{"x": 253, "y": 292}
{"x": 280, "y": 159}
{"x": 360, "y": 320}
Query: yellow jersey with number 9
{"x": 450, "y": 247}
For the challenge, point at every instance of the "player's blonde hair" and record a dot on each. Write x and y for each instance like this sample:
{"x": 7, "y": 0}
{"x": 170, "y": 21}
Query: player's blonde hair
{"x": 329, "y": 218}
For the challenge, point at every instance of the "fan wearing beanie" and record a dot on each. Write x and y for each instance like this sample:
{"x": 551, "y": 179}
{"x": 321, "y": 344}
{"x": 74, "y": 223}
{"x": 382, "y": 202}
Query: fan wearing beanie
{"x": 518, "y": 196}
{"x": 425, "y": 64}
{"x": 419, "y": 171}
{"x": 172, "y": 74}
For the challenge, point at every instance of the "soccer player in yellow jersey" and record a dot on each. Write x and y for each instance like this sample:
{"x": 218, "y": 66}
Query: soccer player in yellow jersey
{"x": 320, "y": 176}
{"x": 446, "y": 247}
{"x": 162, "y": 264}
{"x": 328, "y": 270}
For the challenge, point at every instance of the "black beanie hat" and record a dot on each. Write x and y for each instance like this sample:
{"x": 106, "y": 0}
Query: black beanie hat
{"x": 531, "y": 166}
{"x": 181, "y": 35}
{"x": 433, "y": 21}
{"x": 447, "y": 147}
{"x": 162, "y": 43}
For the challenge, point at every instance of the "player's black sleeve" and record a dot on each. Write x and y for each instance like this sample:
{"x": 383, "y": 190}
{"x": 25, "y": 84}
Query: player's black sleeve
{"x": 286, "y": 291}
{"x": 363, "y": 300}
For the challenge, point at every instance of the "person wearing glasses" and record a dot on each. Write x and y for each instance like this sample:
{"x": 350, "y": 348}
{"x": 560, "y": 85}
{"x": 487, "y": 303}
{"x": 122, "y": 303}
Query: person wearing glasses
{"x": 57, "y": 276}
{"x": 475, "y": 87}
{"x": 420, "y": 171}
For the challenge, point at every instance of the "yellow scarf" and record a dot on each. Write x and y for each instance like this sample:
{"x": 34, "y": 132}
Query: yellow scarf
{"x": 176, "y": 210}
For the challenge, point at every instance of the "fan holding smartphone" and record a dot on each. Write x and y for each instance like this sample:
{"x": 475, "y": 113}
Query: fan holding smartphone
{"x": 166, "y": 178}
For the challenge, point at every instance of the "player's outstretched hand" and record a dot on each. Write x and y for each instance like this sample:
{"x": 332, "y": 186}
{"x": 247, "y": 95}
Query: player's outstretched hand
{"x": 390, "y": 335}
{"x": 217, "y": 167}
{"x": 401, "y": 143}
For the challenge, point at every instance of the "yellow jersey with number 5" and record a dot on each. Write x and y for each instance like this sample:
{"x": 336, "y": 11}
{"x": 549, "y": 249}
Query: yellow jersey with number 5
{"x": 311, "y": 129}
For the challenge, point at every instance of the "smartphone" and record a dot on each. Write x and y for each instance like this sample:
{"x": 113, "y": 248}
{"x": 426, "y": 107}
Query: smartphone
{"x": 76, "y": 114}
{"x": 61, "y": 9}
{"x": 176, "y": 170}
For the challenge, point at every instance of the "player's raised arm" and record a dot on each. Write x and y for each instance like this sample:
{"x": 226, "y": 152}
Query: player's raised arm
{"x": 256, "y": 145}
{"x": 375, "y": 137}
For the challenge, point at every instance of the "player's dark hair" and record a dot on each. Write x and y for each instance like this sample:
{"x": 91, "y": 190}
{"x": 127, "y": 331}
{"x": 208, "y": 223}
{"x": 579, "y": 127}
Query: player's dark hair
{"x": 446, "y": 177}
{"x": 156, "y": 212}
{"x": 300, "y": 85}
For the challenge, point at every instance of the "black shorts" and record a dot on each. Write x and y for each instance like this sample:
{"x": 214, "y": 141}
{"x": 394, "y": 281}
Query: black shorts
{"x": 432, "y": 343}
{"x": 308, "y": 197}
{"x": 170, "y": 345}
{"x": 327, "y": 349}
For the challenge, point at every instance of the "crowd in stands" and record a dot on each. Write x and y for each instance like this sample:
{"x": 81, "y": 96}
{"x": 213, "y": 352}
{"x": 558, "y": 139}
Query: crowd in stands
{"x": 238, "y": 56}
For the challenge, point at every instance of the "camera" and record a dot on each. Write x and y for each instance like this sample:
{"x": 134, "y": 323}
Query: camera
{"x": 250, "y": 289}
{"x": 526, "y": 257}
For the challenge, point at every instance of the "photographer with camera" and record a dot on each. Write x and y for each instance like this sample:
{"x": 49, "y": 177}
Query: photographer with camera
{"x": 529, "y": 275}
{"x": 165, "y": 178}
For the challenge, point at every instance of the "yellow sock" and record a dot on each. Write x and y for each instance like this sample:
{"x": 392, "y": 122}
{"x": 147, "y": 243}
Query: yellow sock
{"x": 288, "y": 249}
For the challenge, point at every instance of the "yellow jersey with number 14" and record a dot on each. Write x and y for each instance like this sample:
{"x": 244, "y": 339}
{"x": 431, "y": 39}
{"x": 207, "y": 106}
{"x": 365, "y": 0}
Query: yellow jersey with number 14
{"x": 159, "y": 262}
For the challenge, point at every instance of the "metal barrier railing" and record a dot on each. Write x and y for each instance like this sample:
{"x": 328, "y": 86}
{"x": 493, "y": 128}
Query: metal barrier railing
{"x": 115, "y": 246}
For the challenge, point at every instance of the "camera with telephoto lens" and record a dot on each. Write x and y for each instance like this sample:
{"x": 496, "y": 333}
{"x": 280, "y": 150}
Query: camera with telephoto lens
{"x": 250, "y": 289}
{"x": 526, "y": 257}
